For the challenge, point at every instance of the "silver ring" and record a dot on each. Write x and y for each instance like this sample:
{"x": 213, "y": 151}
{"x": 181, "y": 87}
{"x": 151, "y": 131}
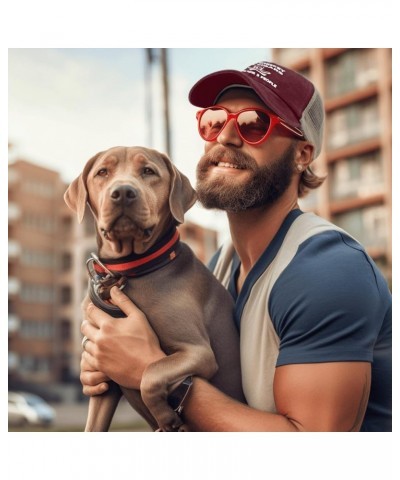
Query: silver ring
{"x": 84, "y": 342}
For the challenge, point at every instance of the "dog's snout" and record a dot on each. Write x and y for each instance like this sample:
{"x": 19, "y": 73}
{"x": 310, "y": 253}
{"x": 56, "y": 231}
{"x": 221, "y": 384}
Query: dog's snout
{"x": 124, "y": 194}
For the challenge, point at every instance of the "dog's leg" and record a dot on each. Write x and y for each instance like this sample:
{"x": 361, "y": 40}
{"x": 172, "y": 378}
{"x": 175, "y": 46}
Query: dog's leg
{"x": 135, "y": 400}
{"x": 102, "y": 408}
{"x": 162, "y": 376}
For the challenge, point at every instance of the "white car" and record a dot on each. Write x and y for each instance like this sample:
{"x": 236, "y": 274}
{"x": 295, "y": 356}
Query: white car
{"x": 27, "y": 408}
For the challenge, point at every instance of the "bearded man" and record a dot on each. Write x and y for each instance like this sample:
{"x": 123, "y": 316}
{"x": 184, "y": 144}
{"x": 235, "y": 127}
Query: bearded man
{"x": 313, "y": 310}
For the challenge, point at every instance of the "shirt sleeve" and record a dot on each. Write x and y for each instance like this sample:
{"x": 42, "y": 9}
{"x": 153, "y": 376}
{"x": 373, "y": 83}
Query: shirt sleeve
{"x": 326, "y": 305}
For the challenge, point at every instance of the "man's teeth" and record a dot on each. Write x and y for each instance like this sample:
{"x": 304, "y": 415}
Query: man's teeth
{"x": 229, "y": 165}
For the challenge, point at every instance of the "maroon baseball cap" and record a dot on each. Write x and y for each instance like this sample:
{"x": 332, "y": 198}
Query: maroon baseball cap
{"x": 287, "y": 93}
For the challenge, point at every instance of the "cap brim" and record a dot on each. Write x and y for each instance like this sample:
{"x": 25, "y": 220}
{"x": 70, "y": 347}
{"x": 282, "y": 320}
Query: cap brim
{"x": 207, "y": 90}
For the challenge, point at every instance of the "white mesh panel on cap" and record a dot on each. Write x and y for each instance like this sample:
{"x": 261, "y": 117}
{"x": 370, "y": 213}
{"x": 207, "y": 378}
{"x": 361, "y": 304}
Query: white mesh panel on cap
{"x": 312, "y": 122}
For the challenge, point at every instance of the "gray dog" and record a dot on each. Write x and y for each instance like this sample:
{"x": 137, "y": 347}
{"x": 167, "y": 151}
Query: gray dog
{"x": 138, "y": 197}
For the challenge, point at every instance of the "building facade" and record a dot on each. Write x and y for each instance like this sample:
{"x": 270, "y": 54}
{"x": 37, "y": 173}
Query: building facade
{"x": 356, "y": 85}
{"x": 39, "y": 265}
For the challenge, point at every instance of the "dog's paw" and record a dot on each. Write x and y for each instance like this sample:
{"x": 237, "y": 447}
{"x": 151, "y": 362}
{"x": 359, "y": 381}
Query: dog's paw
{"x": 171, "y": 422}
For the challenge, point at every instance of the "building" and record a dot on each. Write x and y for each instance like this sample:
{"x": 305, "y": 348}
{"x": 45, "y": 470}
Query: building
{"x": 39, "y": 272}
{"x": 356, "y": 85}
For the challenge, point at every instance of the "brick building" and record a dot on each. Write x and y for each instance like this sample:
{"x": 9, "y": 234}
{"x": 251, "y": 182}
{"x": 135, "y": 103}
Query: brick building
{"x": 40, "y": 321}
{"x": 356, "y": 85}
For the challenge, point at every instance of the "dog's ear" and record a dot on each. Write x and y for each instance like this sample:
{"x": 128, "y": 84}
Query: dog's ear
{"x": 182, "y": 196}
{"x": 76, "y": 195}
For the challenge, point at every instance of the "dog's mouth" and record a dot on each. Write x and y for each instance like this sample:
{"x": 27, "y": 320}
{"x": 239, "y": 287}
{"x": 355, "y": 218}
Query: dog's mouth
{"x": 125, "y": 228}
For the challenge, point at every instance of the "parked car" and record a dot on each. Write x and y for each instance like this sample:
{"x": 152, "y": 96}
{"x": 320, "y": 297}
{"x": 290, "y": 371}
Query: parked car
{"x": 28, "y": 409}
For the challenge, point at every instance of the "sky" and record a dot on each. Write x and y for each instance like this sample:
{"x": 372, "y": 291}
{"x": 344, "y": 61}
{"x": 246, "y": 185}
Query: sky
{"x": 65, "y": 105}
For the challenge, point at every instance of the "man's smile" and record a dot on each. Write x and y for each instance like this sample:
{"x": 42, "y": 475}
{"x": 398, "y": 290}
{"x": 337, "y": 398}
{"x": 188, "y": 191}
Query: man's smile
{"x": 228, "y": 165}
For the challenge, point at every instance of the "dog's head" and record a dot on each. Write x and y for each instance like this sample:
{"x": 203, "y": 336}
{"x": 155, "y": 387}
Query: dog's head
{"x": 134, "y": 193}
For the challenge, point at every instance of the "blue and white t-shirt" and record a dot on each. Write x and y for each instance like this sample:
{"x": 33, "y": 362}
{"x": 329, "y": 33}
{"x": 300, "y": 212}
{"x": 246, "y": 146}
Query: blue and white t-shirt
{"x": 313, "y": 296}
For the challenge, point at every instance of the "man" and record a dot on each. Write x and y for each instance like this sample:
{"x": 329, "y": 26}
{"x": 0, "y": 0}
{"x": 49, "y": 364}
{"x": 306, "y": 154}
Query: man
{"x": 314, "y": 312}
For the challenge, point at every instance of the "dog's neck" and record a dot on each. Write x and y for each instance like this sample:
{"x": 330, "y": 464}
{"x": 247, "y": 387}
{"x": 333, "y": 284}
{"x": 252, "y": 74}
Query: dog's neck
{"x": 138, "y": 244}
{"x": 160, "y": 254}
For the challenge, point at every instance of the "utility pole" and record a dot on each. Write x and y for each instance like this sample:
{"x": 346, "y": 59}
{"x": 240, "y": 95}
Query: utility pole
{"x": 149, "y": 95}
{"x": 165, "y": 83}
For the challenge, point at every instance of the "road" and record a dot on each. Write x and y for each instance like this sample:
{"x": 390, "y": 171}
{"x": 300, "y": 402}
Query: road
{"x": 72, "y": 417}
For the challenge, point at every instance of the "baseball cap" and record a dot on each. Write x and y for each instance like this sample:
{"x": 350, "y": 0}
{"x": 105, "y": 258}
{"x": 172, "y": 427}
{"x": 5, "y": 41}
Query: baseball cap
{"x": 287, "y": 93}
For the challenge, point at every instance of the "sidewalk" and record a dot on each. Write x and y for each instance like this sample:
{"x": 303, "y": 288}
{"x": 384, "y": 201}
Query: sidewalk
{"x": 72, "y": 417}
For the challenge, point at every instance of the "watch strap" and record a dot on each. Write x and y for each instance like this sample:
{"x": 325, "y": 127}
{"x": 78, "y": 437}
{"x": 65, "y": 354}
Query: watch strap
{"x": 177, "y": 397}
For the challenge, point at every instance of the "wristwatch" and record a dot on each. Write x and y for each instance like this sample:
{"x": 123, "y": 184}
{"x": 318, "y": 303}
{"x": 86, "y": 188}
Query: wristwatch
{"x": 176, "y": 398}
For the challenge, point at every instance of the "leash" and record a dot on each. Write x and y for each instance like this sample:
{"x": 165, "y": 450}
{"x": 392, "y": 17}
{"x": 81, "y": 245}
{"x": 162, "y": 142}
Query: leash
{"x": 105, "y": 274}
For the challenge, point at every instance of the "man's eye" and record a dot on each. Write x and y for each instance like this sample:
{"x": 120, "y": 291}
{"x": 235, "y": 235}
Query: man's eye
{"x": 148, "y": 171}
{"x": 102, "y": 172}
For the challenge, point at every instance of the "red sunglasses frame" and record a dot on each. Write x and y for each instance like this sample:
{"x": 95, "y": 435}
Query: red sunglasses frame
{"x": 274, "y": 120}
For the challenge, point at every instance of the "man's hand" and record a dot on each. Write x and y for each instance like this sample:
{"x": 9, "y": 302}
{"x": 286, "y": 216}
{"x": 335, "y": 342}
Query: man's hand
{"x": 93, "y": 382}
{"x": 120, "y": 348}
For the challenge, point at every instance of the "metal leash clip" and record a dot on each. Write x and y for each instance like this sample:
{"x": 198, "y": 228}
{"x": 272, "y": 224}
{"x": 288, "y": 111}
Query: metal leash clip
{"x": 102, "y": 284}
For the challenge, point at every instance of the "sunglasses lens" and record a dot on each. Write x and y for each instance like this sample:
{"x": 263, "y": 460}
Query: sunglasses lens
{"x": 253, "y": 125}
{"x": 211, "y": 122}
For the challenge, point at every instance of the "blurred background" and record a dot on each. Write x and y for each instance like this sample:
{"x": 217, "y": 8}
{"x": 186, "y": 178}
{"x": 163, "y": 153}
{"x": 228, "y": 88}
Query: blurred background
{"x": 65, "y": 105}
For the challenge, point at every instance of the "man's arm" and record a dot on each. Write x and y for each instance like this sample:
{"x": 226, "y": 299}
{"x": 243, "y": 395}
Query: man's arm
{"x": 308, "y": 397}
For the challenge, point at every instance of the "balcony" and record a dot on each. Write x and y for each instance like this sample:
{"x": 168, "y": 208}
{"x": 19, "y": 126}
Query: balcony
{"x": 13, "y": 323}
{"x": 13, "y": 361}
{"x": 14, "y": 212}
{"x": 14, "y": 249}
{"x": 14, "y": 286}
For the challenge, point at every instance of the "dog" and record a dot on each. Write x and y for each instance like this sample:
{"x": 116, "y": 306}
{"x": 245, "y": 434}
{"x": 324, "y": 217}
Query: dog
{"x": 138, "y": 197}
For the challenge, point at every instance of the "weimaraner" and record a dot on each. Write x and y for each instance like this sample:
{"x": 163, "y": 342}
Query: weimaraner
{"x": 138, "y": 197}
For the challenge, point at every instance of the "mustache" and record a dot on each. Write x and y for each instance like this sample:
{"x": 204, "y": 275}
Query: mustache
{"x": 226, "y": 154}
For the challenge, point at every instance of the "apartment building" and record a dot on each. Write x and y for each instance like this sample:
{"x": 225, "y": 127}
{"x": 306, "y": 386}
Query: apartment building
{"x": 39, "y": 286}
{"x": 356, "y": 85}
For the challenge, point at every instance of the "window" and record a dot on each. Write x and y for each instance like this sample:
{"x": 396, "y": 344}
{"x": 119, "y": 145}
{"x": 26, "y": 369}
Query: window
{"x": 351, "y": 70}
{"x": 66, "y": 261}
{"x": 367, "y": 225}
{"x": 32, "y": 329}
{"x": 360, "y": 176}
{"x": 38, "y": 258}
{"x": 39, "y": 188}
{"x": 352, "y": 124}
{"x": 65, "y": 295}
{"x": 32, "y": 293}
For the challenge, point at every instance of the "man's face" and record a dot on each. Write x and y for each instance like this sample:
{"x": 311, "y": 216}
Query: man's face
{"x": 235, "y": 176}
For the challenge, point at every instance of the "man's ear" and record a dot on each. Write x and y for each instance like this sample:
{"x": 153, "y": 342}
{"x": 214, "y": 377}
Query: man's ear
{"x": 76, "y": 195}
{"x": 304, "y": 154}
{"x": 182, "y": 196}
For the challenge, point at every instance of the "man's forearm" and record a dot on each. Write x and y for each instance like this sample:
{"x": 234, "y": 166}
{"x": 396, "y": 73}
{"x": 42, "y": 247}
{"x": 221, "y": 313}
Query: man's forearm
{"x": 209, "y": 410}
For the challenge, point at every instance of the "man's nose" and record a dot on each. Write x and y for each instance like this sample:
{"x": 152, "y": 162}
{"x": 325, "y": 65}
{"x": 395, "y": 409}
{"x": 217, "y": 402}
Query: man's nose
{"x": 123, "y": 194}
{"x": 229, "y": 135}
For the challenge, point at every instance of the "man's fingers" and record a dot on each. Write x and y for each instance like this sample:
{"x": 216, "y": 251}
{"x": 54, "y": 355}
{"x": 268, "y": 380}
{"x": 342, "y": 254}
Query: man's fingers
{"x": 95, "y": 390}
{"x": 96, "y": 316}
{"x": 89, "y": 331}
{"x": 93, "y": 379}
{"x": 123, "y": 302}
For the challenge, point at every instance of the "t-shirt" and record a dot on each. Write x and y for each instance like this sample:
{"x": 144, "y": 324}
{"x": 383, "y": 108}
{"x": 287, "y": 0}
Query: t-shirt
{"x": 313, "y": 296}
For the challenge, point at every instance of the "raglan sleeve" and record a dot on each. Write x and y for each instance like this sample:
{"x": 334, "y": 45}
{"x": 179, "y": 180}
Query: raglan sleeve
{"x": 325, "y": 306}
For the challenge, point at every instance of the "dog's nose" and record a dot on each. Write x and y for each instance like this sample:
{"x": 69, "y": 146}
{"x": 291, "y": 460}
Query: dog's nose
{"x": 124, "y": 194}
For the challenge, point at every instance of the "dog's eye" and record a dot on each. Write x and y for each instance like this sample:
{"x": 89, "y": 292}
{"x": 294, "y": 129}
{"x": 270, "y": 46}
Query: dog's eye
{"x": 148, "y": 171}
{"x": 102, "y": 172}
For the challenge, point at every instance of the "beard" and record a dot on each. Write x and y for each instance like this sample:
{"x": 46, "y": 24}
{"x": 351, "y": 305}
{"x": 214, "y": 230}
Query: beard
{"x": 265, "y": 186}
